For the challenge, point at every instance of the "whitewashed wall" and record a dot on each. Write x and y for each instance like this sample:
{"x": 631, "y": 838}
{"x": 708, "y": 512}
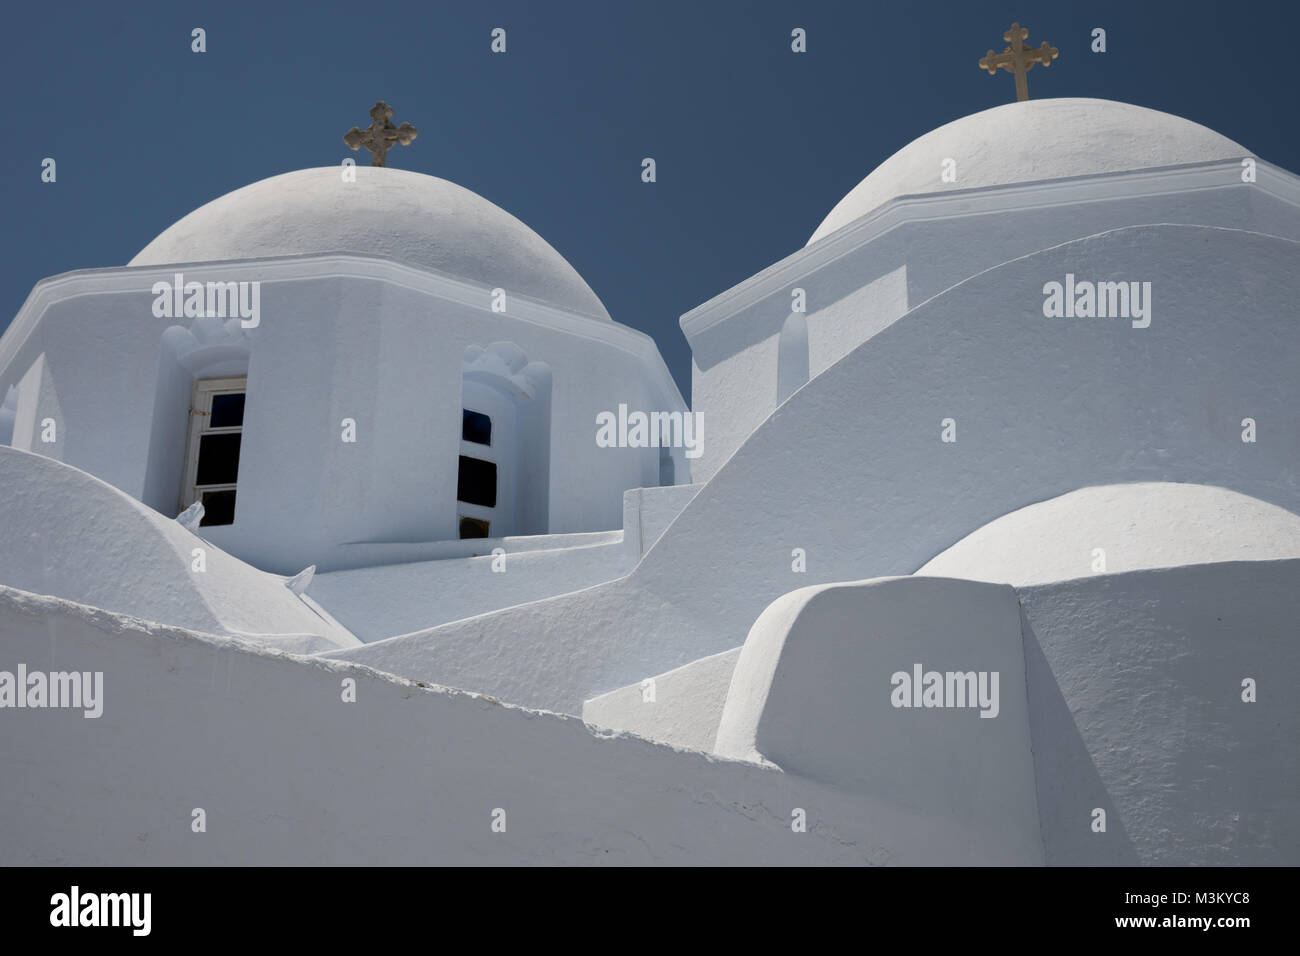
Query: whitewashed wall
{"x": 287, "y": 773}
{"x": 374, "y": 346}
{"x": 681, "y": 707}
{"x": 930, "y": 243}
{"x": 1135, "y": 706}
{"x": 852, "y": 470}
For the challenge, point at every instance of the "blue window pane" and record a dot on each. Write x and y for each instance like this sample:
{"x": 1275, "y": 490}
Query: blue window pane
{"x": 476, "y": 427}
{"x": 227, "y": 411}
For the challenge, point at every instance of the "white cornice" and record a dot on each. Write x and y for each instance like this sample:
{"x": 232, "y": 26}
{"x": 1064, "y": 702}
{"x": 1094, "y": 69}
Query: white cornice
{"x": 139, "y": 280}
{"x": 956, "y": 204}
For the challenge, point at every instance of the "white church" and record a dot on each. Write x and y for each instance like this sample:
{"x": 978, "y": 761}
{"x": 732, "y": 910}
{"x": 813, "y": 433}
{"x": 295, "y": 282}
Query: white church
{"x": 979, "y": 541}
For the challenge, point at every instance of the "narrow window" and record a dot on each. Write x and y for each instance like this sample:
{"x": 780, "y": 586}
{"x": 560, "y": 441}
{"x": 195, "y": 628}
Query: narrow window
{"x": 478, "y": 475}
{"x": 212, "y": 452}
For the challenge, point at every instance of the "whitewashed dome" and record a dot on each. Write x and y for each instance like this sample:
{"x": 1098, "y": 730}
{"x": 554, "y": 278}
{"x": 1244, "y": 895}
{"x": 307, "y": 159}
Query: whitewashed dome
{"x": 1030, "y": 142}
{"x": 1138, "y": 526}
{"x": 410, "y": 217}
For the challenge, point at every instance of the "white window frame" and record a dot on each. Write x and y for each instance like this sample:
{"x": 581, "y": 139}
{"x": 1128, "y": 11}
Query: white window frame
{"x": 200, "y": 415}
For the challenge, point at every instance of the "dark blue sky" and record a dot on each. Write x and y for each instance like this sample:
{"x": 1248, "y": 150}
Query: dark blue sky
{"x": 754, "y": 143}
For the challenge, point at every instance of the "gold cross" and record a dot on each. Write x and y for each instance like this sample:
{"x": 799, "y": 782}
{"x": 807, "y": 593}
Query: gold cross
{"x": 1018, "y": 60}
{"x": 382, "y": 135}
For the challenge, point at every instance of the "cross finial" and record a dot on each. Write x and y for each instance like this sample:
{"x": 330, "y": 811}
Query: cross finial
{"x": 382, "y": 135}
{"x": 1019, "y": 60}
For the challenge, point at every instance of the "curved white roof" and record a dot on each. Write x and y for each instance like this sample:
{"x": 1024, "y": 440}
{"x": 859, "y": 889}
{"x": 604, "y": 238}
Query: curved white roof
{"x": 71, "y": 535}
{"x": 1029, "y": 142}
{"x": 416, "y": 219}
{"x": 1138, "y": 526}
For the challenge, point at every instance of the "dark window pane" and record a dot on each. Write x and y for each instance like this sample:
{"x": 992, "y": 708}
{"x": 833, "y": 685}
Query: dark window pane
{"x": 477, "y": 482}
{"x": 227, "y": 410}
{"x": 218, "y": 507}
{"x": 473, "y": 528}
{"x": 476, "y": 427}
{"x": 218, "y": 459}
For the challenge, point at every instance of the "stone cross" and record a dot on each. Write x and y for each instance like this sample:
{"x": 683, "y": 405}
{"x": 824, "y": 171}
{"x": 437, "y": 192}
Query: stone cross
{"x": 382, "y": 135}
{"x": 1019, "y": 60}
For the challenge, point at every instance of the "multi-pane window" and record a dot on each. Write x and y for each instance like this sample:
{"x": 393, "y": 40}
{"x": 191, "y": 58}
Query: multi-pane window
{"x": 476, "y": 478}
{"x": 212, "y": 453}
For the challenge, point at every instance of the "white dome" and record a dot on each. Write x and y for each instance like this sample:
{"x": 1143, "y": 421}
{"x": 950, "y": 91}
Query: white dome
{"x": 1030, "y": 142}
{"x": 416, "y": 219}
{"x": 1138, "y": 526}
